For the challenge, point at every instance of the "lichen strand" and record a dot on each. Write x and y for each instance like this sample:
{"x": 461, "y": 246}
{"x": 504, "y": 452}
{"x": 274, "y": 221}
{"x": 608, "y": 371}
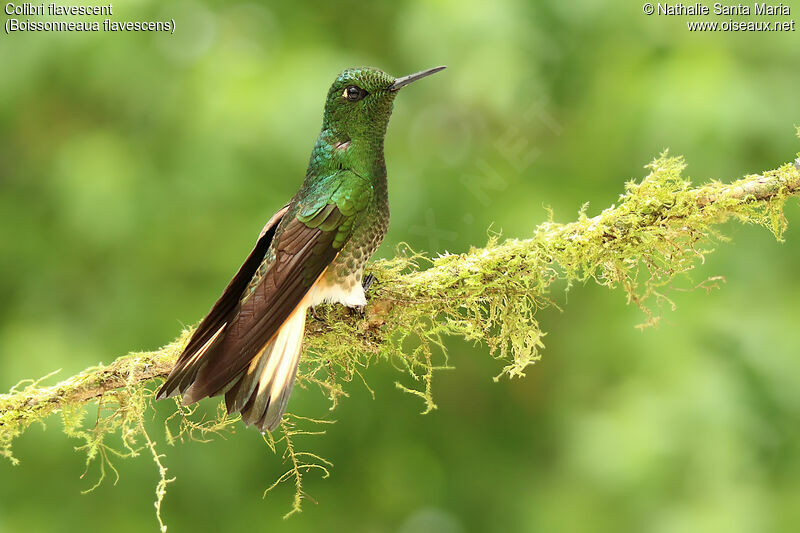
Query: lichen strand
{"x": 660, "y": 229}
{"x": 119, "y": 384}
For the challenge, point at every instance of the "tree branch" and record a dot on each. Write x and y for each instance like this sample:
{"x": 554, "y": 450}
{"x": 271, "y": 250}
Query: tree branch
{"x": 660, "y": 225}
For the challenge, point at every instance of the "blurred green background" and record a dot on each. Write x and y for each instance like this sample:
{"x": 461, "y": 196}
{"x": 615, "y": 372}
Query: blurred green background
{"x": 137, "y": 169}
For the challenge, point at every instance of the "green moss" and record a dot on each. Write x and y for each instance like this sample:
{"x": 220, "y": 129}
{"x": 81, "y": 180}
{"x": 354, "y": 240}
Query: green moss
{"x": 659, "y": 230}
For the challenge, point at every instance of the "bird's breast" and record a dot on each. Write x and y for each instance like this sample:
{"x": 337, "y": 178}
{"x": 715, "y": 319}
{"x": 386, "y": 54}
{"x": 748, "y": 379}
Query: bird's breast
{"x": 341, "y": 282}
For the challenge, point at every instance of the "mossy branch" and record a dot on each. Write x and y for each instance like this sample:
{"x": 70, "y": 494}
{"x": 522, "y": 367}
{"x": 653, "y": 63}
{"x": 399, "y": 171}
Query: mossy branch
{"x": 654, "y": 223}
{"x": 660, "y": 228}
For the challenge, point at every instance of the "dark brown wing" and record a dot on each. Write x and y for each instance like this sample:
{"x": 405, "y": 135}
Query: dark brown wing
{"x": 183, "y": 373}
{"x": 303, "y": 250}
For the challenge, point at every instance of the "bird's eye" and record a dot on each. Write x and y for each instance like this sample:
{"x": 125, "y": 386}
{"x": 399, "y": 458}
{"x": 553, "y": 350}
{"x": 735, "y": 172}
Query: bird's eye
{"x": 354, "y": 93}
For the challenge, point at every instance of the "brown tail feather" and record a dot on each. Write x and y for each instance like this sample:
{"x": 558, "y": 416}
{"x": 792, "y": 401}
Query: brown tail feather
{"x": 262, "y": 392}
{"x": 237, "y": 396}
{"x": 185, "y": 371}
{"x": 211, "y": 331}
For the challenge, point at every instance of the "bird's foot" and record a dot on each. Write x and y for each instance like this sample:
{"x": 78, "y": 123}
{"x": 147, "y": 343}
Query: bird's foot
{"x": 365, "y": 285}
{"x": 368, "y": 281}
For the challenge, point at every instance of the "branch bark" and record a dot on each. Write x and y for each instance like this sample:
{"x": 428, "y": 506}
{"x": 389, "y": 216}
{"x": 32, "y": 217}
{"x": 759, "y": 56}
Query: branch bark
{"x": 662, "y": 211}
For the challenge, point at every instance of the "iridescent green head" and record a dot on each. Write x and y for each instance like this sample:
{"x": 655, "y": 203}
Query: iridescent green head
{"x": 359, "y": 102}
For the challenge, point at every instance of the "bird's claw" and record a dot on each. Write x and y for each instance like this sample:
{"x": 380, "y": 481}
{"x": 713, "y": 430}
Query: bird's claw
{"x": 368, "y": 281}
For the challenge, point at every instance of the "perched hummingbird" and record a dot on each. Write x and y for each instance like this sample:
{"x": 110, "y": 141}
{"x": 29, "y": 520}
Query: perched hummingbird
{"x": 313, "y": 250}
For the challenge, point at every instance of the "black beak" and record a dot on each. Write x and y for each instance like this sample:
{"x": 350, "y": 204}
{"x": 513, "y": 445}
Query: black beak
{"x": 399, "y": 83}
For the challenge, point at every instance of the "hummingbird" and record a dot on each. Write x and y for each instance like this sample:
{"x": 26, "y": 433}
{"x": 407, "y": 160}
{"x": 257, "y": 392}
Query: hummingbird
{"x": 313, "y": 250}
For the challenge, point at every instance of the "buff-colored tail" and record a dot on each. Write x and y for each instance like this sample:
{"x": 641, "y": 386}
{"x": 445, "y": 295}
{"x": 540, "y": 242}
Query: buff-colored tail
{"x": 262, "y": 391}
